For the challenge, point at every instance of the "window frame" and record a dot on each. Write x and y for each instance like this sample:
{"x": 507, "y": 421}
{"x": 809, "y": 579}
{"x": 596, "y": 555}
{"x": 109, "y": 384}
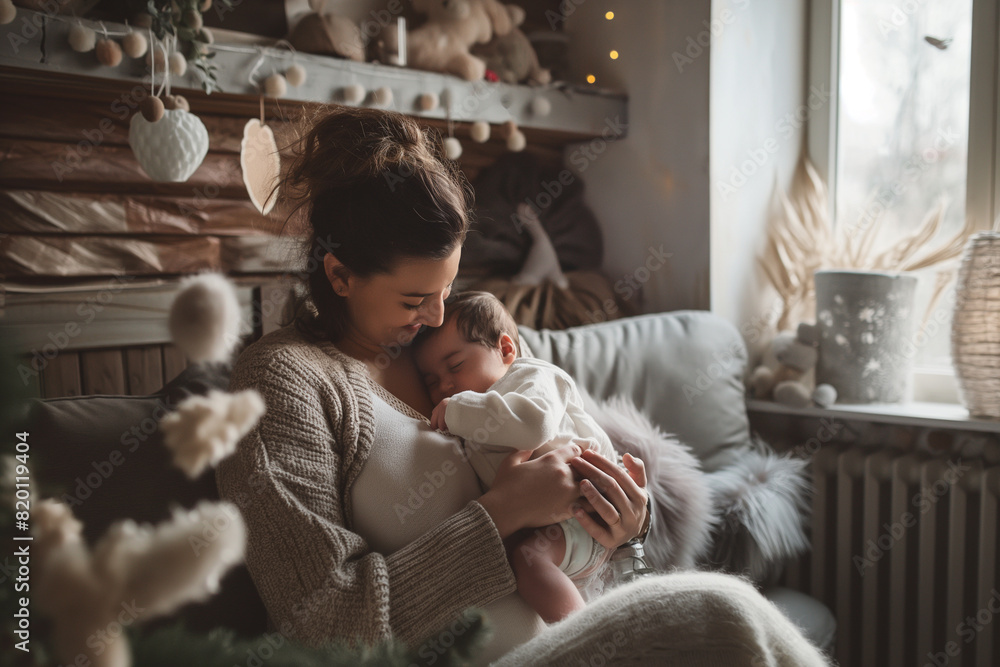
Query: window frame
{"x": 982, "y": 198}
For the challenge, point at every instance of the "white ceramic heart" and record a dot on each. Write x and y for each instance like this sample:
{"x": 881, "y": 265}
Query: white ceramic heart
{"x": 172, "y": 148}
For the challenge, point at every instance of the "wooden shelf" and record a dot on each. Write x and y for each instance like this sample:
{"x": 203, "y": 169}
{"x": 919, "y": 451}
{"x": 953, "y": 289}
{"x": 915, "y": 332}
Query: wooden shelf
{"x": 577, "y": 113}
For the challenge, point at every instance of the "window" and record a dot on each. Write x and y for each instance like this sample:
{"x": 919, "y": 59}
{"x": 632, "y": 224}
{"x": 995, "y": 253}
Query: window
{"x": 913, "y": 121}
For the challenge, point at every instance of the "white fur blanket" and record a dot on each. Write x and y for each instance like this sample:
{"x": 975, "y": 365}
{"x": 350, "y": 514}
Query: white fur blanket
{"x": 748, "y": 517}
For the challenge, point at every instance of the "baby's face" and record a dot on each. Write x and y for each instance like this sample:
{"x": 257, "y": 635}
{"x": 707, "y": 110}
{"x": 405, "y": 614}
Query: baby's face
{"x": 449, "y": 364}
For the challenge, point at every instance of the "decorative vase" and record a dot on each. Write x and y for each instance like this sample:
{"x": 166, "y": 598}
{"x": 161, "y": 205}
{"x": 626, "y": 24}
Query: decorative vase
{"x": 866, "y": 322}
{"x": 172, "y": 148}
{"x": 975, "y": 326}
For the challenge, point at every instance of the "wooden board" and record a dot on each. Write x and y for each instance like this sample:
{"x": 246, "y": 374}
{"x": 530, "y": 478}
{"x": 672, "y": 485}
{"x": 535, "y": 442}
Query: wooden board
{"x": 174, "y": 362}
{"x": 41, "y": 165}
{"x": 144, "y": 369}
{"x": 24, "y": 255}
{"x": 110, "y": 315}
{"x": 42, "y": 212}
{"x": 102, "y": 372}
{"x": 61, "y": 375}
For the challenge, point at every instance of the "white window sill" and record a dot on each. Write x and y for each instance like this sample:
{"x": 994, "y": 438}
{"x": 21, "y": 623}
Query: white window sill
{"x": 916, "y": 413}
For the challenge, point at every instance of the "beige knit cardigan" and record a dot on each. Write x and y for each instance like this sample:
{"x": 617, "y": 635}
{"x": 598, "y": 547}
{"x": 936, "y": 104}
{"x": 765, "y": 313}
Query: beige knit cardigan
{"x": 291, "y": 477}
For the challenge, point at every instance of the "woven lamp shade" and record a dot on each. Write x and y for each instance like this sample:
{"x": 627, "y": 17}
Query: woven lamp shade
{"x": 975, "y": 333}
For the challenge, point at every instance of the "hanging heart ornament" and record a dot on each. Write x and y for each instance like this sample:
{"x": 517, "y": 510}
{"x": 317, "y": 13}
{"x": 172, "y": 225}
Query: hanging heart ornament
{"x": 261, "y": 165}
{"x": 172, "y": 148}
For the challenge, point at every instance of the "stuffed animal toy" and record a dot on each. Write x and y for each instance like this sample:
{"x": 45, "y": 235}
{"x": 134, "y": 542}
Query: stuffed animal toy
{"x": 327, "y": 33}
{"x": 786, "y": 374}
{"x": 512, "y": 57}
{"x": 453, "y": 26}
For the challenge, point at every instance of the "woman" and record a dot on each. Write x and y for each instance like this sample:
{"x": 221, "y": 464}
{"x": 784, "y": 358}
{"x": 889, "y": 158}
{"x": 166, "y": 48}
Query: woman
{"x": 365, "y": 523}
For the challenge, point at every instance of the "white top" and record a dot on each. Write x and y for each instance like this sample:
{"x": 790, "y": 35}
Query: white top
{"x": 534, "y": 406}
{"x": 415, "y": 478}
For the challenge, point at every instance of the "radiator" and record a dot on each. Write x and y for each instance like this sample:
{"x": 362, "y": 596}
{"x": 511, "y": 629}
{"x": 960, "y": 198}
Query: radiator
{"x": 904, "y": 551}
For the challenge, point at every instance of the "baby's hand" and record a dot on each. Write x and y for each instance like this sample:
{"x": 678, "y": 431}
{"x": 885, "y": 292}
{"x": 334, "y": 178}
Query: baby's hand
{"x": 437, "y": 417}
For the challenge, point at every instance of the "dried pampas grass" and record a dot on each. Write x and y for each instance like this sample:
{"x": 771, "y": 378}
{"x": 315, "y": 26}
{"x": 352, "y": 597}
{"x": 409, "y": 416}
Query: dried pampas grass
{"x": 801, "y": 240}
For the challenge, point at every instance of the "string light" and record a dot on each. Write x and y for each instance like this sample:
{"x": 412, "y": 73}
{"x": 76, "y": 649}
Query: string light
{"x": 591, "y": 78}
{"x": 609, "y": 15}
{"x": 614, "y": 54}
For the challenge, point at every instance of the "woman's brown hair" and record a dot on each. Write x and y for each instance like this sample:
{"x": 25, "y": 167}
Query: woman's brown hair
{"x": 376, "y": 188}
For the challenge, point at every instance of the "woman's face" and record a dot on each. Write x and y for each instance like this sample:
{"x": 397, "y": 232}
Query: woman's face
{"x": 390, "y": 308}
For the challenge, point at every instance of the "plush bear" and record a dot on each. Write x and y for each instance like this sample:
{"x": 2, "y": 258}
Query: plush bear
{"x": 327, "y": 33}
{"x": 786, "y": 375}
{"x": 512, "y": 57}
{"x": 442, "y": 43}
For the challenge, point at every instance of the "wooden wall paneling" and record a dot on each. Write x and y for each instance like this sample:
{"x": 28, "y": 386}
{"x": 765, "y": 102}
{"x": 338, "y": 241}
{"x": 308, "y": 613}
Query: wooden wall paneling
{"x": 30, "y": 164}
{"x": 174, "y": 362}
{"x": 46, "y": 255}
{"x": 114, "y": 312}
{"x": 44, "y": 212}
{"x": 61, "y": 376}
{"x": 144, "y": 369}
{"x": 103, "y": 371}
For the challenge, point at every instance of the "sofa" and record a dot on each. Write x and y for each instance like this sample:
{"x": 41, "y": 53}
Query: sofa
{"x": 104, "y": 454}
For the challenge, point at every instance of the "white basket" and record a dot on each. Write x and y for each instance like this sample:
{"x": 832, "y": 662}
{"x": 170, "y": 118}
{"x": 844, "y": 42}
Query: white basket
{"x": 975, "y": 328}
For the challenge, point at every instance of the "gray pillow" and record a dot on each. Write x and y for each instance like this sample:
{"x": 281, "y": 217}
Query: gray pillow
{"x": 684, "y": 369}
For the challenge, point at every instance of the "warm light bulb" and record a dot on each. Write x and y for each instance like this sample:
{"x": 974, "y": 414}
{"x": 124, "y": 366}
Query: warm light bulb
{"x": 609, "y": 15}
{"x": 614, "y": 55}
{"x": 591, "y": 78}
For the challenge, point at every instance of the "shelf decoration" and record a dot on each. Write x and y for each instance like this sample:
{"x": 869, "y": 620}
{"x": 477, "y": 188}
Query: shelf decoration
{"x": 185, "y": 26}
{"x": 109, "y": 52}
{"x": 169, "y": 144}
{"x": 8, "y": 12}
{"x": 295, "y": 75}
{"x": 81, "y": 38}
{"x": 259, "y": 157}
{"x": 135, "y": 44}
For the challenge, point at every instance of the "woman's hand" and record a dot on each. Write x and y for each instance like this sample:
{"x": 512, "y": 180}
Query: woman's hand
{"x": 619, "y": 498}
{"x": 533, "y": 492}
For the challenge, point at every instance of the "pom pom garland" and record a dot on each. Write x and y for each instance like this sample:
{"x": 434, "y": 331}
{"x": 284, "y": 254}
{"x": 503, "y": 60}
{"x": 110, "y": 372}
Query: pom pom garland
{"x": 540, "y": 106}
{"x": 135, "y": 45}
{"x": 178, "y": 63}
{"x": 480, "y": 132}
{"x": 82, "y": 39}
{"x": 109, "y": 53}
{"x": 382, "y": 96}
{"x": 354, "y": 93}
{"x": 8, "y": 12}
{"x": 295, "y": 75}
{"x": 452, "y": 148}
{"x": 275, "y": 86}
{"x": 428, "y": 101}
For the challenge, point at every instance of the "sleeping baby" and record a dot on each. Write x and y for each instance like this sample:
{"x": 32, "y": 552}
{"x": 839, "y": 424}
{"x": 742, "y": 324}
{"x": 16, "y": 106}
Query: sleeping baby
{"x": 498, "y": 402}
